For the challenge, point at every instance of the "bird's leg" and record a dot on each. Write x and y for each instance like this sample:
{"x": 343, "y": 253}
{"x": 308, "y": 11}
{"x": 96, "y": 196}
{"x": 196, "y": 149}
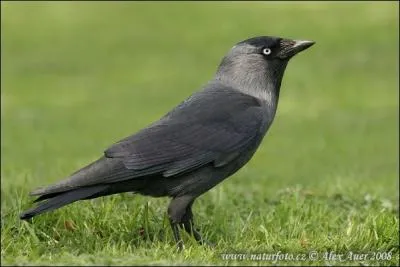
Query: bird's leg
{"x": 176, "y": 212}
{"x": 190, "y": 229}
{"x": 177, "y": 236}
{"x": 188, "y": 225}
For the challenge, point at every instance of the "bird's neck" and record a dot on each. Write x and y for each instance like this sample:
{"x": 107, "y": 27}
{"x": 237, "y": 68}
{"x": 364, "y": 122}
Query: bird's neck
{"x": 261, "y": 83}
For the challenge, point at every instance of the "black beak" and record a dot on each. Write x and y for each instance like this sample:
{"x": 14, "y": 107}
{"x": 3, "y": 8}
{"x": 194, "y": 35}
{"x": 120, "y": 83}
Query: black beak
{"x": 289, "y": 48}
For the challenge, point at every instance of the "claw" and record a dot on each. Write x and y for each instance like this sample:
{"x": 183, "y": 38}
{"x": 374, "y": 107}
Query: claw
{"x": 207, "y": 243}
{"x": 189, "y": 227}
{"x": 180, "y": 246}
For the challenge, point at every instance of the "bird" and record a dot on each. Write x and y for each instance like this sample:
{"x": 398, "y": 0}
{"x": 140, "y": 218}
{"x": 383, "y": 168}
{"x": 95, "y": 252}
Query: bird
{"x": 196, "y": 145}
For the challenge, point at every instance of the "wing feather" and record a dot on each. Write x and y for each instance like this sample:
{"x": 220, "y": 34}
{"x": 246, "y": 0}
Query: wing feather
{"x": 210, "y": 127}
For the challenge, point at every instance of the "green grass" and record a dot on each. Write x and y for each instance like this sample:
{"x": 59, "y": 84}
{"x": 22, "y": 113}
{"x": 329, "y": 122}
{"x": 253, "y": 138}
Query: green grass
{"x": 76, "y": 77}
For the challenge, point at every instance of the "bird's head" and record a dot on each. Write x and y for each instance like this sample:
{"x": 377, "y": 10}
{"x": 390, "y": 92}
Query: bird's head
{"x": 267, "y": 48}
{"x": 258, "y": 63}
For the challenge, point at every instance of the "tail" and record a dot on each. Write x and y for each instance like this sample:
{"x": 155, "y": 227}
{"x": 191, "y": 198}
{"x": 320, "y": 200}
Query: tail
{"x": 56, "y": 201}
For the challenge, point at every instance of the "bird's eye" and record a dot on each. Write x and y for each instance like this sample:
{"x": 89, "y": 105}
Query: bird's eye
{"x": 266, "y": 51}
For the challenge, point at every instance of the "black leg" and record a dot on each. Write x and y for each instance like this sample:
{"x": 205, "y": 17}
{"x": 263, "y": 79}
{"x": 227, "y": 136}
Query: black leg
{"x": 189, "y": 228}
{"x": 188, "y": 225}
{"x": 176, "y": 212}
{"x": 177, "y": 236}
{"x": 180, "y": 215}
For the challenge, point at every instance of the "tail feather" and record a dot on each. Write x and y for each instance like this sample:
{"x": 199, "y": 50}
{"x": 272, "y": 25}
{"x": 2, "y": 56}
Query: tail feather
{"x": 62, "y": 199}
{"x": 47, "y": 196}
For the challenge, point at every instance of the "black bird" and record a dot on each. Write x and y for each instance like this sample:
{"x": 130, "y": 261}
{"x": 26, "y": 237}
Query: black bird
{"x": 199, "y": 143}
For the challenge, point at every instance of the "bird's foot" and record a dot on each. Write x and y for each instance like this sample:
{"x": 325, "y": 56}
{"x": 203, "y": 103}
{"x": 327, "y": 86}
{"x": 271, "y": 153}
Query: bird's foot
{"x": 180, "y": 246}
{"x": 197, "y": 236}
{"x": 205, "y": 242}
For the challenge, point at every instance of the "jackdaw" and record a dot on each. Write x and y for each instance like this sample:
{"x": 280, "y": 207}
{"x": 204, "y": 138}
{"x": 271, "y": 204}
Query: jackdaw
{"x": 203, "y": 140}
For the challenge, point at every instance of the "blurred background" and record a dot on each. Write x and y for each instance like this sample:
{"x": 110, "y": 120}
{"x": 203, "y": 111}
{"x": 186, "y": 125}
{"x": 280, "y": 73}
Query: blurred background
{"x": 78, "y": 76}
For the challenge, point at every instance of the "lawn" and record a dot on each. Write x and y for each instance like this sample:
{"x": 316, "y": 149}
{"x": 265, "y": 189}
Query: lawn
{"x": 76, "y": 77}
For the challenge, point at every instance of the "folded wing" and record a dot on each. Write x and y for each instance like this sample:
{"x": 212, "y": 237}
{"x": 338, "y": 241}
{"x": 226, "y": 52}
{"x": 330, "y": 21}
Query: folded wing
{"x": 213, "y": 126}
